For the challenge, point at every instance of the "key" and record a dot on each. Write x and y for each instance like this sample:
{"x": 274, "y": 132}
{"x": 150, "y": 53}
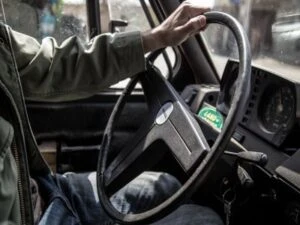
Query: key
{"x": 227, "y": 211}
{"x": 228, "y": 199}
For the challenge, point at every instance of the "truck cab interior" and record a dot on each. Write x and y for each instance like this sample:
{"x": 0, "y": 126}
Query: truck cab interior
{"x": 243, "y": 101}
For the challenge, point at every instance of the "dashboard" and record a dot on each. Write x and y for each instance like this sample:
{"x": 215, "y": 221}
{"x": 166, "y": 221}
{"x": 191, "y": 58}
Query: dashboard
{"x": 270, "y": 123}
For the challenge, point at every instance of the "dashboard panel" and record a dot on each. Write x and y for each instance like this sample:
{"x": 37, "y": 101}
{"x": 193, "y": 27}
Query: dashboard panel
{"x": 270, "y": 123}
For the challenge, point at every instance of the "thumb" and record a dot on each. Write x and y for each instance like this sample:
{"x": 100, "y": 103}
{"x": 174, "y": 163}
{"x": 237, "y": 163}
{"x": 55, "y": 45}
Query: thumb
{"x": 194, "y": 25}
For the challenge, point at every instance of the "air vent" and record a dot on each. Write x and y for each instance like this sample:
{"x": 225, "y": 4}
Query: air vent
{"x": 257, "y": 78}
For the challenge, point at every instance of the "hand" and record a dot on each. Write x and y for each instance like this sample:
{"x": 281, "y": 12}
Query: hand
{"x": 185, "y": 21}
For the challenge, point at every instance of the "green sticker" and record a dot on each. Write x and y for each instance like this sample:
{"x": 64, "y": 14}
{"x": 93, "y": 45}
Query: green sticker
{"x": 212, "y": 116}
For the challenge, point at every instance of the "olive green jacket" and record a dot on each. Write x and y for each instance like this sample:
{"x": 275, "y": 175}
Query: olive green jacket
{"x": 48, "y": 72}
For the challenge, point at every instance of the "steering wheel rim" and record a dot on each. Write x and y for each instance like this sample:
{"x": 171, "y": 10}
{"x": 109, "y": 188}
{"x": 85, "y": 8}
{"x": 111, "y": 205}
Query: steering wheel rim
{"x": 201, "y": 172}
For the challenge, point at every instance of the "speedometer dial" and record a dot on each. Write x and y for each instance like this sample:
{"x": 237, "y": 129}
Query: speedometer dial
{"x": 277, "y": 108}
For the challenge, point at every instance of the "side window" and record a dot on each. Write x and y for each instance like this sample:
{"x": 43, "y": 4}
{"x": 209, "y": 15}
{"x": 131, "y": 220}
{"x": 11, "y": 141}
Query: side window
{"x": 273, "y": 33}
{"x": 122, "y": 16}
{"x": 130, "y": 13}
{"x": 40, "y": 18}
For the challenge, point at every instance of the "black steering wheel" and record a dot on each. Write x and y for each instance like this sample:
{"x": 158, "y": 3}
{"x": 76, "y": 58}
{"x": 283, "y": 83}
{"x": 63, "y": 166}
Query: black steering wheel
{"x": 171, "y": 121}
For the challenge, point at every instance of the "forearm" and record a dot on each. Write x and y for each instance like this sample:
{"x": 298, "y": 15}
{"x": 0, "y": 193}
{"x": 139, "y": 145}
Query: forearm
{"x": 152, "y": 40}
{"x": 75, "y": 70}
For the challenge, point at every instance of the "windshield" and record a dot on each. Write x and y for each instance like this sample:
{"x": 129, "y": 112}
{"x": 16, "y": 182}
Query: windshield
{"x": 273, "y": 28}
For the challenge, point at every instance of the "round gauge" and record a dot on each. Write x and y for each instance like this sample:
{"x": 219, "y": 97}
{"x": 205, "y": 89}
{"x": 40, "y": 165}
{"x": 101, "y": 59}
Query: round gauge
{"x": 277, "y": 108}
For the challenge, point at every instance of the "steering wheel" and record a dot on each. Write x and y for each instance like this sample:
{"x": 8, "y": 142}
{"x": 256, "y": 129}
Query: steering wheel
{"x": 171, "y": 121}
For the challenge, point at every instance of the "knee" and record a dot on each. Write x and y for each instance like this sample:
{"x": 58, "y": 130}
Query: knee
{"x": 146, "y": 191}
{"x": 164, "y": 182}
{"x": 157, "y": 187}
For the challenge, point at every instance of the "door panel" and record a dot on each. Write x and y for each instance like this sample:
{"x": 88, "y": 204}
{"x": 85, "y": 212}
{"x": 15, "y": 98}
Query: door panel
{"x": 75, "y": 128}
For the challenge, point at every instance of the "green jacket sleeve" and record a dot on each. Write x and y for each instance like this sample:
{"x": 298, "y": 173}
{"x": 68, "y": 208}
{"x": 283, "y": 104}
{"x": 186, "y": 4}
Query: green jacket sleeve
{"x": 9, "y": 207}
{"x": 75, "y": 69}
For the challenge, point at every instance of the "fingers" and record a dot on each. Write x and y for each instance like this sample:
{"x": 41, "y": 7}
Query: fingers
{"x": 194, "y": 25}
{"x": 192, "y": 10}
{"x": 185, "y": 21}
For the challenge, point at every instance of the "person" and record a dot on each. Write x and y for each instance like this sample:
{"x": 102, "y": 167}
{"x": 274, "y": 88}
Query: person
{"x": 29, "y": 192}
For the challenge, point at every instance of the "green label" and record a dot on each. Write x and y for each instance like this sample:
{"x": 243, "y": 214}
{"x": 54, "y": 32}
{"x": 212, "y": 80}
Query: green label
{"x": 212, "y": 116}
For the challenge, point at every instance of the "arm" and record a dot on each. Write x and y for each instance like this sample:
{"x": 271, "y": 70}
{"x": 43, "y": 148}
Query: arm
{"x": 75, "y": 70}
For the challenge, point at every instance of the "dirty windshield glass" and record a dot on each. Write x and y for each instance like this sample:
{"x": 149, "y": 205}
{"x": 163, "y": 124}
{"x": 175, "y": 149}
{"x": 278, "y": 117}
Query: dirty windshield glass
{"x": 273, "y": 28}
{"x": 41, "y": 18}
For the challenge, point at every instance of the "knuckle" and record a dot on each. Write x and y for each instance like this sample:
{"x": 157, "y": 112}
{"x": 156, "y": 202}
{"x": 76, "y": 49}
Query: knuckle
{"x": 186, "y": 7}
{"x": 185, "y": 3}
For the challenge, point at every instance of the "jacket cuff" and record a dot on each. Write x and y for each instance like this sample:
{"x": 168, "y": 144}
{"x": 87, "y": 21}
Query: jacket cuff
{"x": 129, "y": 47}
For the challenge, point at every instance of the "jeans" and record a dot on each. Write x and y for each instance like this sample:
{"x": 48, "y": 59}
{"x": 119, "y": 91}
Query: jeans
{"x": 72, "y": 200}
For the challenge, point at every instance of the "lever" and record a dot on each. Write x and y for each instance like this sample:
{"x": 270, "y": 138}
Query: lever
{"x": 244, "y": 177}
{"x": 255, "y": 157}
{"x": 115, "y": 24}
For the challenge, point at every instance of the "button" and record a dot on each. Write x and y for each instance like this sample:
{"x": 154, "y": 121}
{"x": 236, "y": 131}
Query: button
{"x": 237, "y": 136}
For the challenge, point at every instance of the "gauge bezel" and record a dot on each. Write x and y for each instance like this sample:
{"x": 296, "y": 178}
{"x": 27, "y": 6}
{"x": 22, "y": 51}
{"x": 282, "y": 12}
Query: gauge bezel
{"x": 269, "y": 95}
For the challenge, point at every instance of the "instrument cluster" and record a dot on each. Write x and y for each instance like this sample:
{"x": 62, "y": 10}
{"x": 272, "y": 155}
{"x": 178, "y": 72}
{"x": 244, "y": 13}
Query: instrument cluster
{"x": 271, "y": 109}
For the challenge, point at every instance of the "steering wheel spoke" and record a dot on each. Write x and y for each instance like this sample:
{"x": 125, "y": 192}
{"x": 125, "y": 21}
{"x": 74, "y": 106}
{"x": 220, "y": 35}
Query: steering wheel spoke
{"x": 191, "y": 145}
{"x": 134, "y": 158}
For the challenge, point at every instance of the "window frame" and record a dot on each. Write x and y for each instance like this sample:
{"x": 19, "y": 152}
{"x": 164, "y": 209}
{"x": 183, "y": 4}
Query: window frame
{"x": 172, "y": 69}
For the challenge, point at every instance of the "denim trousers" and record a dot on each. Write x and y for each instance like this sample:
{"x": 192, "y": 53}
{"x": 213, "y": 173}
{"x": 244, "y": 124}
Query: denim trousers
{"x": 72, "y": 199}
